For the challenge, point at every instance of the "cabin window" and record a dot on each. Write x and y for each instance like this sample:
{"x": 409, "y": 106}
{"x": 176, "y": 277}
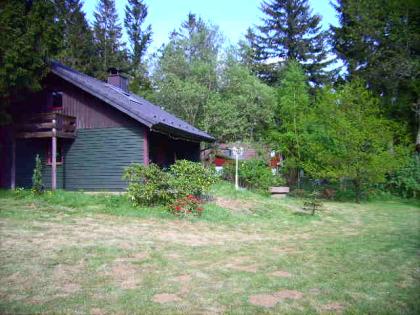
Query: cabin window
{"x": 59, "y": 157}
{"x": 56, "y": 100}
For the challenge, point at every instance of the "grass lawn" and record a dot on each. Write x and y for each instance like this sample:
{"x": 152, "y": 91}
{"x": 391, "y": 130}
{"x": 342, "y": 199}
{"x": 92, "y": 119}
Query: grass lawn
{"x": 76, "y": 253}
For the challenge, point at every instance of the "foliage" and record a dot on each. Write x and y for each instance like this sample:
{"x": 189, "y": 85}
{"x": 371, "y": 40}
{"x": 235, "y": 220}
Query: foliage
{"x": 406, "y": 181}
{"x": 147, "y": 184}
{"x": 150, "y": 185}
{"x": 37, "y": 186}
{"x": 30, "y": 35}
{"x": 78, "y": 50}
{"x": 185, "y": 73}
{"x": 312, "y": 203}
{"x": 356, "y": 142}
{"x": 140, "y": 38}
{"x": 190, "y": 178}
{"x": 188, "y": 205}
{"x": 254, "y": 174}
{"x": 214, "y": 92}
{"x": 289, "y": 134}
{"x": 108, "y": 34}
{"x": 290, "y": 31}
{"x": 379, "y": 42}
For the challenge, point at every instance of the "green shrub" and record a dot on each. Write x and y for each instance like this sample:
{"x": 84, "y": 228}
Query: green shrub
{"x": 254, "y": 174}
{"x": 406, "y": 181}
{"x": 150, "y": 185}
{"x": 37, "y": 186}
{"x": 147, "y": 185}
{"x": 190, "y": 178}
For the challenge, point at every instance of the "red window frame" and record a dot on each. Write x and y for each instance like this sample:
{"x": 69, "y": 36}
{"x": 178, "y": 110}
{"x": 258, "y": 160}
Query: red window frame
{"x": 59, "y": 153}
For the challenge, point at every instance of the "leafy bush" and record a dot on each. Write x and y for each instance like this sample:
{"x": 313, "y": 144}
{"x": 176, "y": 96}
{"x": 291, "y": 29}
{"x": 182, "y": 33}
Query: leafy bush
{"x": 254, "y": 174}
{"x": 37, "y": 186}
{"x": 147, "y": 184}
{"x": 150, "y": 185}
{"x": 406, "y": 181}
{"x": 190, "y": 178}
{"x": 189, "y": 205}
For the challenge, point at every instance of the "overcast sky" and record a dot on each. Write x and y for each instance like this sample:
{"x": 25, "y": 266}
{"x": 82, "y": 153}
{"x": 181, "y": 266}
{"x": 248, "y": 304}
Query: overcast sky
{"x": 232, "y": 16}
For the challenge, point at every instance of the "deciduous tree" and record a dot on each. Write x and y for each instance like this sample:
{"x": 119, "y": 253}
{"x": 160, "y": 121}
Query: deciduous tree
{"x": 289, "y": 134}
{"x": 351, "y": 139}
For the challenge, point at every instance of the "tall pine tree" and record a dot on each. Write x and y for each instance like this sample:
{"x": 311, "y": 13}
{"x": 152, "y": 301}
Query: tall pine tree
{"x": 30, "y": 35}
{"x": 290, "y": 31}
{"x": 379, "y": 41}
{"x": 78, "y": 45}
{"x": 140, "y": 38}
{"x": 108, "y": 33}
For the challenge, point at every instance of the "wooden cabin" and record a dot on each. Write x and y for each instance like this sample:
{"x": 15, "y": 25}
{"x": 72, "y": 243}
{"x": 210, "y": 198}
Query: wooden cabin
{"x": 87, "y": 131}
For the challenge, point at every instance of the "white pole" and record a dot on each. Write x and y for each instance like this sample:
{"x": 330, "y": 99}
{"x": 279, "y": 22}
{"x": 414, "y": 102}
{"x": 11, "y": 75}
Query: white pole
{"x": 54, "y": 157}
{"x": 236, "y": 172}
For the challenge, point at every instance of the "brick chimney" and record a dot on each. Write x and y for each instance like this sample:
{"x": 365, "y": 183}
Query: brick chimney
{"x": 117, "y": 79}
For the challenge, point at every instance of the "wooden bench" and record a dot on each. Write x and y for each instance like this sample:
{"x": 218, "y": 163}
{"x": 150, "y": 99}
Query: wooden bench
{"x": 279, "y": 192}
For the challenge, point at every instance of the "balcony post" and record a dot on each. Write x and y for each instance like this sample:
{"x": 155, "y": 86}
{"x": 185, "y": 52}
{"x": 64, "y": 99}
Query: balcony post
{"x": 54, "y": 157}
{"x": 13, "y": 166}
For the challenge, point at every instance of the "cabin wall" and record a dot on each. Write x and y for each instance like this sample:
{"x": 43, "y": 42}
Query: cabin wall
{"x": 90, "y": 111}
{"x": 97, "y": 158}
{"x": 26, "y": 151}
{"x": 107, "y": 141}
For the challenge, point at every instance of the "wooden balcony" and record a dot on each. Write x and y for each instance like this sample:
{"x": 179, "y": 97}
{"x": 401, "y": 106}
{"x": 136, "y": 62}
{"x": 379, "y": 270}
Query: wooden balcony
{"x": 47, "y": 125}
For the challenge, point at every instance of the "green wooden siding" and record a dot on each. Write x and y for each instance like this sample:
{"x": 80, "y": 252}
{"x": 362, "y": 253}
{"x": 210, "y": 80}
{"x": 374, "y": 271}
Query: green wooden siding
{"x": 97, "y": 157}
{"x": 26, "y": 151}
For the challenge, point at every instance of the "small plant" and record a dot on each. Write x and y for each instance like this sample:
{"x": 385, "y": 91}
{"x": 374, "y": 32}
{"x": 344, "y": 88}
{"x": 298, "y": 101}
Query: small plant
{"x": 313, "y": 203}
{"x": 19, "y": 192}
{"x": 37, "y": 186}
{"x": 189, "y": 205}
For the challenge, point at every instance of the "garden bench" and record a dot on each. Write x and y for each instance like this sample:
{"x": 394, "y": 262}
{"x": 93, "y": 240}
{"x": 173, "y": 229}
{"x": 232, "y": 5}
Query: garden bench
{"x": 279, "y": 192}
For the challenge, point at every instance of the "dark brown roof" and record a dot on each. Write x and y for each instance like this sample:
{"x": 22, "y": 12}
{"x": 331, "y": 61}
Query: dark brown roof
{"x": 134, "y": 106}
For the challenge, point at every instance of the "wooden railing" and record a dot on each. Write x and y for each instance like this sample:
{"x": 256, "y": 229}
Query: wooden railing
{"x": 47, "y": 125}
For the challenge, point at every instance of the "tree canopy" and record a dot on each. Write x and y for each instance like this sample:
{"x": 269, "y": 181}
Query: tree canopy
{"x": 290, "y": 31}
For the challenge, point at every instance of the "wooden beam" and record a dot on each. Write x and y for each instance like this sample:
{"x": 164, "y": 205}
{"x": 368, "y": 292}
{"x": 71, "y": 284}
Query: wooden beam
{"x": 45, "y": 134}
{"x": 13, "y": 168}
{"x": 41, "y": 134}
{"x": 36, "y": 126}
{"x": 54, "y": 160}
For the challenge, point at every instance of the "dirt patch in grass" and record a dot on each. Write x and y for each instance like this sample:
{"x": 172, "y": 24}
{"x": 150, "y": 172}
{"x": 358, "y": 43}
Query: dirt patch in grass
{"x": 65, "y": 278}
{"x": 281, "y": 274}
{"x": 96, "y": 311}
{"x": 333, "y": 307}
{"x": 243, "y": 263}
{"x": 270, "y": 300}
{"x": 165, "y": 298}
{"x": 236, "y": 206}
{"x": 125, "y": 274}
